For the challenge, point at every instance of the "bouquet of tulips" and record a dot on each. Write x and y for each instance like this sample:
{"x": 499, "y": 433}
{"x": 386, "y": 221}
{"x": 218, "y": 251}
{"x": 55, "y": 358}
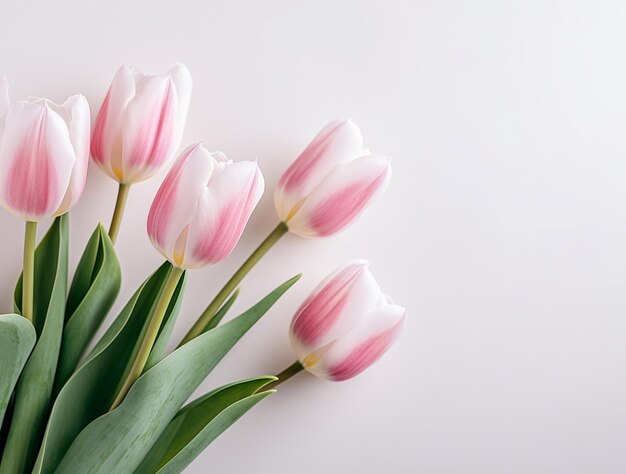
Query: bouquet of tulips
{"x": 122, "y": 405}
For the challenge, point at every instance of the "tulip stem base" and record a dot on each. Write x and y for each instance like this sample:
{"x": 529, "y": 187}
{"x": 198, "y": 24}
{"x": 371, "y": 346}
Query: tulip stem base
{"x": 231, "y": 285}
{"x": 118, "y": 212}
{"x": 28, "y": 273}
{"x": 151, "y": 334}
{"x": 285, "y": 375}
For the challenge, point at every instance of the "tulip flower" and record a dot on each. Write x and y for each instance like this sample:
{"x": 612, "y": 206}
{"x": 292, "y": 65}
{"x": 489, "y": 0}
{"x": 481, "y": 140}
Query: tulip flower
{"x": 345, "y": 325}
{"x": 202, "y": 207}
{"x": 139, "y": 127}
{"x": 44, "y": 152}
{"x": 331, "y": 182}
{"x": 196, "y": 219}
{"x": 325, "y": 189}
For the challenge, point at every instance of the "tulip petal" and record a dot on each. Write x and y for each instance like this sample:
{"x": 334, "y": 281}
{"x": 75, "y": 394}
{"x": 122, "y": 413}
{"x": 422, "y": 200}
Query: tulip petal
{"x": 5, "y": 102}
{"x": 148, "y": 128}
{"x": 359, "y": 349}
{"x": 223, "y": 212}
{"x": 183, "y": 83}
{"x": 106, "y": 143}
{"x": 76, "y": 111}
{"x": 341, "y": 197}
{"x": 335, "y": 308}
{"x": 338, "y": 142}
{"x": 36, "y": 160}
{"x": 176, "y": 201}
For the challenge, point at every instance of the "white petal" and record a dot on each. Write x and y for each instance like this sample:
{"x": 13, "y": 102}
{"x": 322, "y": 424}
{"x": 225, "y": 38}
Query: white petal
{"x": 106, "y": 146}
{"x": 36, "y": 160}
{"x": 360, "y": 348}
{"x": 183, "y": 84}
{"x": 77, "y": 109}
{"x": 223, "y": 211}
{"x": 335, "y": 307}
{"x": 148, "y": 128}
{"x": 342, "y": 196}
{"x": 338, "y": 142}
{"x": 5, "y": 103}
{"x": 177, "y": 200}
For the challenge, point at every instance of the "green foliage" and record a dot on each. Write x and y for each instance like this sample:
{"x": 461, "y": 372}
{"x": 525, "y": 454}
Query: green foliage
{"x": 199, "y": 423}
{"x": 90, "y": 391}
{"x": 34, "y": 388}
{"x": 17, "y": 339}
{"x": 124, "y": 436}
{"x": 94, "y": 288}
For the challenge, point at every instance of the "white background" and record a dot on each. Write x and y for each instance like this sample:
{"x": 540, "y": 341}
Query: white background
{"x": 503, "y": 231}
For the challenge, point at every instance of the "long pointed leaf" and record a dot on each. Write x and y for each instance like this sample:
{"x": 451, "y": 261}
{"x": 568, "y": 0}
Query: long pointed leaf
{"x": 196, "y": 425}
{"x": 124, "y": 436}
{"x": 17, "y": 339}
{"x": 90, "y": 391}
{"x": 94, "y": 288}
{"x": 217, "y": 317}
{"x": 34, "y": 388}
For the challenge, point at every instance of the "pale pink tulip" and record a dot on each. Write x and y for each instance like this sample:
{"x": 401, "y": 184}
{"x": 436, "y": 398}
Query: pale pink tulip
{"x": 345, "y": 325}
{"x": 140, "y": 125}
{"x": 44, "y": 152}
{"x": 202, "y": 207}
{"x": 331, "y": 182}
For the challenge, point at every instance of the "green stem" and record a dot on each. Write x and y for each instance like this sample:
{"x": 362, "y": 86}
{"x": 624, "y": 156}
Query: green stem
{"x": 151, "y": 334}
{"x": 285, "y": 375}
{"x": 28, "y": 273}
{"x": 120, "y": 204}
{"x": 231, "y": 285}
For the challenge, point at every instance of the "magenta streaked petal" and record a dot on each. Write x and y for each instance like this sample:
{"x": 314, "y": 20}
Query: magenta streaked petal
{"x": 338, "y": 142}
{"x": 355, "y": 352}
{"x": 36, "y": 160}
{"x": 341, "y": 197}
{"x": 148, "y": 129}
{"x": 141, "y": 122}
{"x": 223, "y": 212}
{"x": 334, "y": 307}
{"x": 106, "y": 142}
{"x": 202, "y": 207}
{"x": 176, "y": 201}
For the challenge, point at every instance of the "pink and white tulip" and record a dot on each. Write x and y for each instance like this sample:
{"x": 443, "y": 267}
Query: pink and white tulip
{"x": 202, "y": 207}
{"x": 331, "y": 182}
{"x": 44, "y": 153}
{"x": 140, "y": 125}
{"x": 345, "y": 325}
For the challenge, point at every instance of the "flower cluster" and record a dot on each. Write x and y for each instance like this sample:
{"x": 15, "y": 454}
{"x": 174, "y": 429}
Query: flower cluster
{"x": 196, "y": 219}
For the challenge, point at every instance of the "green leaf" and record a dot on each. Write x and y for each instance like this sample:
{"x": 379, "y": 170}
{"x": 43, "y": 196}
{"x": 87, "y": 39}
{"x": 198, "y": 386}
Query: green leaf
{"x": 34, "y": 389}
{"x": 17, "y": 338}
{"x": 90, "y": 391}
{"x": 122, "y": 438}
{"x": 217, "y": 317}
{"x": 199, "y": 423}
{"x": 94, "y": 288}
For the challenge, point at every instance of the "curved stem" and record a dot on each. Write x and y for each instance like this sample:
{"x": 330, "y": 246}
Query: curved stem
{"x": 231, "y": 285}
{"x": 28, "y": 273}
{"x": 120, "y": 204}
{"x": 285, "y": 375}
{"x": 151, "y": 334}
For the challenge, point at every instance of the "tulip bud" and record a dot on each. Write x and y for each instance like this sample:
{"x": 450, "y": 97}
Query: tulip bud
{"x": 331, "y": 182}
{"x": 345, "y": 325}
{"x": 44, "y": 152}
{"x": 141, "y": 122}
{"x": 202, "y": 207}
